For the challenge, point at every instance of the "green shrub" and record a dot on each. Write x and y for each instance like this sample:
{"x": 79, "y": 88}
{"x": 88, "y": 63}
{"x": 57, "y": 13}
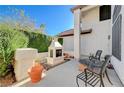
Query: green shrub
{"x": 10, "y": 40}
{"x": 39, "y": 41}
{"x": 60, "y": 40}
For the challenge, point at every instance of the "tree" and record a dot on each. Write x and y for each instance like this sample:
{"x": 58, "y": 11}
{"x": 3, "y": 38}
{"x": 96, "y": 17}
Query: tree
{"x": 18, "y": 20}
{"x": 10, "y": 40}
{"x": 42, "y": 28}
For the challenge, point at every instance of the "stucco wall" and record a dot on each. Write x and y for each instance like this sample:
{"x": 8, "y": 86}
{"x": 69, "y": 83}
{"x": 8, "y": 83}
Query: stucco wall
{"x": 68, "y": 43}
{"x": 91, "y": 15}
{"x": 24, "y": 59}
{"x": 98, "y": 39}
{"x": 77, "y": 15}
{"x": 119, "y": 65}
{"x": 42, "y": 56}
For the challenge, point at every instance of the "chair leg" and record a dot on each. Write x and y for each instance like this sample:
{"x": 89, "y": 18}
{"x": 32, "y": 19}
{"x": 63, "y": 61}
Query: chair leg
{"x": 86, "y": 79}
{"x": 108, "y": 77}
{"x": 100, "y": 84}
{"x": 85, "y": 83}
{"x": 101, "y": 80}
{"x": 77, "y": 81}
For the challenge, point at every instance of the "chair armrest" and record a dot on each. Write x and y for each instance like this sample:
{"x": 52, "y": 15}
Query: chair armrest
{"x": 91, "y": 57}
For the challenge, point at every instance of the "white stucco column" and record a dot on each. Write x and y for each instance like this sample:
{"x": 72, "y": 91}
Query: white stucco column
{"x": 77, "y": 50}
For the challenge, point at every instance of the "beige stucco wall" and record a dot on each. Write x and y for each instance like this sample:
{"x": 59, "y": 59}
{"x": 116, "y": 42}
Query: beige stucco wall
{"x": 68, "y": 43}
{"x": 24, "y": 59}
{"x": 98, "y": 39}
{"x": 91, "y": 15}
{"x": 90, "y": 43}
{"x": 42, "y": 56}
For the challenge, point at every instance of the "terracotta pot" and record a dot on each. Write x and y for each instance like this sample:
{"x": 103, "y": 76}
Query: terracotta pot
{"x": 35, "y": 73}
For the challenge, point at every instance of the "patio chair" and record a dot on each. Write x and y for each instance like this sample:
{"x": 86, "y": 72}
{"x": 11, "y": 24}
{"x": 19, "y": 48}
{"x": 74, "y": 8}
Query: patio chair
{"x": 95, "y": 75}
{"x": 91, "y": 60}
{"x": 97, "y": 55}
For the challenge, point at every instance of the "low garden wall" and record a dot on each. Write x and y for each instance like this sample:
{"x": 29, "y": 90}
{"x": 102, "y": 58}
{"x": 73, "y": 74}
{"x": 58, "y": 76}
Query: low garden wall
{"x": 24, "y": 58}
{"x": 42, "y": 56}
{"x": 71, "y": 53}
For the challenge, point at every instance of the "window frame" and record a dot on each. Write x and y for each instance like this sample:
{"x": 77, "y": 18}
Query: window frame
{"x": 104, "y": 9}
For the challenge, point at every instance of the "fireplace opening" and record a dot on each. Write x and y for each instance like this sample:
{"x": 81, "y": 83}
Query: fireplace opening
{"x": 58, "y": 52}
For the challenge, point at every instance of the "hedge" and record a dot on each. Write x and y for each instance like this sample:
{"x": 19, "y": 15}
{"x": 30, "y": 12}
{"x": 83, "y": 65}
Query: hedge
{"x": 60, "y": 40}
{"x": 39, "y": 41}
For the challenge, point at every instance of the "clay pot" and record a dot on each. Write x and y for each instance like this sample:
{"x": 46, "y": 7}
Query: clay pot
{"x": 35, "y": 73}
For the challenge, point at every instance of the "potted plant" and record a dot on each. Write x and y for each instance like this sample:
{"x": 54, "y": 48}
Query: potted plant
{"x": 35, "y": 72}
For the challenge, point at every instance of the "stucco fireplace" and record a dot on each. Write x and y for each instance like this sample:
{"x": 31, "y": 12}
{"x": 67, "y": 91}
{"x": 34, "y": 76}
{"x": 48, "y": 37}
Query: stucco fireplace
{"x": 55, "y": 53}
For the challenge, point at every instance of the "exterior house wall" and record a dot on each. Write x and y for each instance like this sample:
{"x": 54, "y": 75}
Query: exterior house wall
{"x": 98, "y": 39}
{"x": 68, "y": 43}
{"x": 119, "y": 65}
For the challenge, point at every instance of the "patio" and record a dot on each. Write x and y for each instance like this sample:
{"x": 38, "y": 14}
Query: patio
{"x": 64, "y": 75}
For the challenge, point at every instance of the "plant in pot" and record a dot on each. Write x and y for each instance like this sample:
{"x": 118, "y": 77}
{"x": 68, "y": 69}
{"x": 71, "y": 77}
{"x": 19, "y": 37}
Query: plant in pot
{"x": 35, "y": 72}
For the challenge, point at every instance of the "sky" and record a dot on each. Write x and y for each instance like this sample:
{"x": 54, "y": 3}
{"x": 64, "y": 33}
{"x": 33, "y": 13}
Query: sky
{"x": 57, "y": 18}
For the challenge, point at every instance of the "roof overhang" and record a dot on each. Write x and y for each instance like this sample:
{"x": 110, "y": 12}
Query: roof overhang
{"x": 77, "y": 7}
{"x": 83, "y": 8}
{"x": 71, "y": 32}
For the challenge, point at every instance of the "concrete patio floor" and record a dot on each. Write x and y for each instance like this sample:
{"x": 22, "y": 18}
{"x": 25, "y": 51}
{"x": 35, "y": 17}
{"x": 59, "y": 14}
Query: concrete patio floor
{"x": 65, "y": 74}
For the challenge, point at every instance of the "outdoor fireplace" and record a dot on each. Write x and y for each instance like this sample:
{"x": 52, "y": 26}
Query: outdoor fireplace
{"x": 55, "y": 53}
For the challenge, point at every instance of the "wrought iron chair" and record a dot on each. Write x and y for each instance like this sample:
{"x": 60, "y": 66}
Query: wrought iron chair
{"x": 92, "y": 59}
{"x": 97, "y": 55}
{"x": 94, "y": 76}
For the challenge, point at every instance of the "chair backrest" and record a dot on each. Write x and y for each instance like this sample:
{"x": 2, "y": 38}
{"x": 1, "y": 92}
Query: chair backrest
{"x": 104, "y": 65}
{"x": 98, "y": 54}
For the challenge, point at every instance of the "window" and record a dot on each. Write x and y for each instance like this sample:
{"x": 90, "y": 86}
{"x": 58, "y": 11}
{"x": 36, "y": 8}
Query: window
{"x": 105, "y": 12}
{"x": 117, "y": 10}
{"x": 116, "y": 38}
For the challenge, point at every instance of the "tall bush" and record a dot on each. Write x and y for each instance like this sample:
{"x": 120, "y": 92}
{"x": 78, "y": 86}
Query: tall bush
{"x": 39, "y": 41}
{"x": 60, "y": 40}
{"x": 10, "y": 40}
